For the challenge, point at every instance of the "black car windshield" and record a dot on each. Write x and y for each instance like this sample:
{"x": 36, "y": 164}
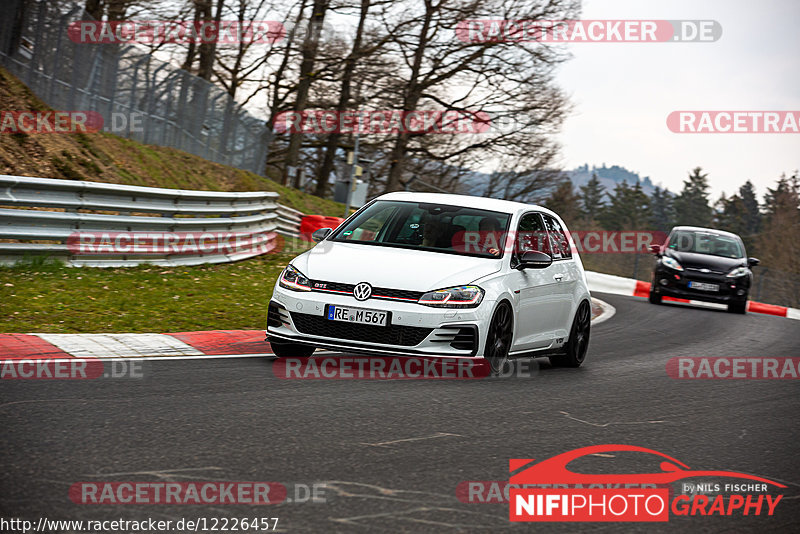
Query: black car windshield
{"x": 706, "y": 243}
{"x": 428, "y": 226}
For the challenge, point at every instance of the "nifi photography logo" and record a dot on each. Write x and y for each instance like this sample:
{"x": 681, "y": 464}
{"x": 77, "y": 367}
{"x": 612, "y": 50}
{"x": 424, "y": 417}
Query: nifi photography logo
{"x": 549, "y": 491}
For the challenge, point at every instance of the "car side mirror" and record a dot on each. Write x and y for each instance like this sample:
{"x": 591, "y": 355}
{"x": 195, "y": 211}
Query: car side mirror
{"x": 655, "y": 249}
{"x": 752, "y": 262}
{"x": 533, "y": 259}
{"x": 321, "y": 234}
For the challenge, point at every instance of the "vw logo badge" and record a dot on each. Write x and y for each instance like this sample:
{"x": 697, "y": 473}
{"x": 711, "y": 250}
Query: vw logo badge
{"x": 362, "y": 291}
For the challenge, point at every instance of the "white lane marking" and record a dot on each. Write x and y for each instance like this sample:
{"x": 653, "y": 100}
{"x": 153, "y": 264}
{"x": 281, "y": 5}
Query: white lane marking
{"x": 793, "y": 313}
{"x": 604, "y": 425}
{"x": 437, "y": 435}
{"x": 607, "y": 313}
{"x": 120, "y": 345}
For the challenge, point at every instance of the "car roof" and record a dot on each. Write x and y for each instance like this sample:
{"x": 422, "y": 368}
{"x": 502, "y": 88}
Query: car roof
{"x": 491, "y": 204}
{"x": 706, "y": 230}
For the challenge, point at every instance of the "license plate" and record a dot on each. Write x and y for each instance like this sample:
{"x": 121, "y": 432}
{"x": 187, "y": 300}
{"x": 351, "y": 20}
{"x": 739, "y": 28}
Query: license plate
{"x": 704, "y": 287}
{"x": 357, "y": 315}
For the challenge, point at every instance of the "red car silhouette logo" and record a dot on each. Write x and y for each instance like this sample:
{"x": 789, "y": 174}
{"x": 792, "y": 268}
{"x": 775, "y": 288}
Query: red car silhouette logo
{"x": 554, "y": 470}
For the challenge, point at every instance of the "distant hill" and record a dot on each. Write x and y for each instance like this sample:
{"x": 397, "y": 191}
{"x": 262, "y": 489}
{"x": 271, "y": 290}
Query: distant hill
{"x": 609, "y": 177}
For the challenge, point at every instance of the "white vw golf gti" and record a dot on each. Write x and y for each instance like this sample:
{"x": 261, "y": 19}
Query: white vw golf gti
{"x": 438, "y": 275}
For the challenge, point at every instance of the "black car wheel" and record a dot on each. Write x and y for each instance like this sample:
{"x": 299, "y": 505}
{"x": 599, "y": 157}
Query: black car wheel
{"x": 498, "y": 340}
{"x": 654, "y": 298}
{"x": 578, "y": 343}
{"x": 291, "y": 350}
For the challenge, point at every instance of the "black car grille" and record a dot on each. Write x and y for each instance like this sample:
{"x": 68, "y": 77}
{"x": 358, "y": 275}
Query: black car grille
{"x": 696, "y": 270}
{"x": 276, "y": 315}
{"x": 318, "y": 325}
{"x": 460, "y": 337}
{"x": 377, "y": 292}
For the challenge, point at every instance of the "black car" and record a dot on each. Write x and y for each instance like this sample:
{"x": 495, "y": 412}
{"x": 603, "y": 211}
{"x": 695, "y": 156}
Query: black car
{"x": 703, "y": 264}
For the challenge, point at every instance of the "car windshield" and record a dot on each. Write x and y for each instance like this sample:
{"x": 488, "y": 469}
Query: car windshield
{"x": 706, "y": 243}
{"x": 428, "y": 226}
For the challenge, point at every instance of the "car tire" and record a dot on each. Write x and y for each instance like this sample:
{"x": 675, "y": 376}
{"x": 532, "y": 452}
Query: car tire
{"x": 654, "y": 298}
{"x": 578, "y": 343}
{"x": 291, "y": 350}
{"x": 738, "y": 307}
{"x": 498, "y": 339}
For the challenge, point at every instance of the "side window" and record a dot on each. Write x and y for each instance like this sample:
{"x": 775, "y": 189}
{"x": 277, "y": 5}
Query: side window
{"x": 531, "y": 235}
{"x": 558, "y": 238}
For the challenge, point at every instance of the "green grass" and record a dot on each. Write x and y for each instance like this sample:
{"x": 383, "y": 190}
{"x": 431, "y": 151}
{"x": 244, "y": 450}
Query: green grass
{"x": 47, "y": 297}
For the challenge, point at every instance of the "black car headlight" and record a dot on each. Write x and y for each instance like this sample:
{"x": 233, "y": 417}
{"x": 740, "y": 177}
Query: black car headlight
{"x": 671, "y": 263}
{"x": 739, "y": 271}
{"x": 453, "y": 297}
{"x": 294, "y": 280}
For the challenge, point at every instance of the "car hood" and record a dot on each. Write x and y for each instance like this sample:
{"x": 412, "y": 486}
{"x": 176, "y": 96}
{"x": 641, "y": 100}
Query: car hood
{"x": 389, "y": 267}
{"x": 693, "y": 260}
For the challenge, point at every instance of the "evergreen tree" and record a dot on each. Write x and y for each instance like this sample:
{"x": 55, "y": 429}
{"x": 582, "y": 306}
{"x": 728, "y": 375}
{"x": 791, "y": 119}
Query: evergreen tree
{"x": 662, "y": 210}
{"x": 592, "y": 199}
{"x": 731, "y": 215}
{"x": 753, "y": 214}
{"x": 565, "y": 202}
{"x": 691, "y": 206}
{"x": 629, "y": 209}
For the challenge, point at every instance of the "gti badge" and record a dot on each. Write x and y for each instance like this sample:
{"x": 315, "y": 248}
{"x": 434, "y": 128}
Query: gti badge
{"x": 362, "y": 291}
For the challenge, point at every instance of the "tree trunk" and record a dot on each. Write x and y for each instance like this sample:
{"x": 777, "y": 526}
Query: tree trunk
{"x": 344, "y": 98}
{"x": 208, "y": 50}
{"x": 306, "y": 77}
{"x": 410, "y": 101}
{"x": 94, "y": 8}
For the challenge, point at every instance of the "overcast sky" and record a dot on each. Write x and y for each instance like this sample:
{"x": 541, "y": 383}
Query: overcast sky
{"x": 622, "y": 93}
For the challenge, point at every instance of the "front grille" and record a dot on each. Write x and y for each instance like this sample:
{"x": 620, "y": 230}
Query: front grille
{"x": 380, "y": 293}
{"x": 318, "y": 325}
{"x": 699, "y": 270}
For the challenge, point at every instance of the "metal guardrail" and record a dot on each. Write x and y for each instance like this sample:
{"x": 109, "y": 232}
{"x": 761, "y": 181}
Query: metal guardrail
{"x": 42, "y": 216}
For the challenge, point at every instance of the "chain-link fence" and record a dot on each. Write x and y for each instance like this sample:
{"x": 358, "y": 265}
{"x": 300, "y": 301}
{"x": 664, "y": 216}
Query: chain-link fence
{"x": 139, "y": 96}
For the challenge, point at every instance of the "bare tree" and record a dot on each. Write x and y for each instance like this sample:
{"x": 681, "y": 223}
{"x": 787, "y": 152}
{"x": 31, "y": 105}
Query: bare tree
{"x": 506, "y": 79}
{"x": 309, "y": 54}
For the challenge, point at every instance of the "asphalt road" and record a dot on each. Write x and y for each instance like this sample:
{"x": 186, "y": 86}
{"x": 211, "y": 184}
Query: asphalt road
{"x": 392, "y": 453}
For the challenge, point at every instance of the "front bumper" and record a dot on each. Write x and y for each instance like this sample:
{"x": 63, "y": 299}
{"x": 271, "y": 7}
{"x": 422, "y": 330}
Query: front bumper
{"x": 299, "y": 317}
{"x": 667, "y": 282}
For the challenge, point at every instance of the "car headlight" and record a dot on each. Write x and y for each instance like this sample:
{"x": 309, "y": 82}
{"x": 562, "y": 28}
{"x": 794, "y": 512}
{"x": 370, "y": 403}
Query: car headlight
{"x": 671, "y": 263}
{"x": 453, "y": 297}
{"x": 294, "y": 280}
{"x": 739, "y": 271}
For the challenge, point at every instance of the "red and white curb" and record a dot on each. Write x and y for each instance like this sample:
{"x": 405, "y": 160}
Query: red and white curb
{"x": 617, "y": 285}
{"x": 182, "y": 345}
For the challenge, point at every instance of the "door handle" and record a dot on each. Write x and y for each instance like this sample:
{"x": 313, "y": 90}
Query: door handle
{"x": 558, "y": 277}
